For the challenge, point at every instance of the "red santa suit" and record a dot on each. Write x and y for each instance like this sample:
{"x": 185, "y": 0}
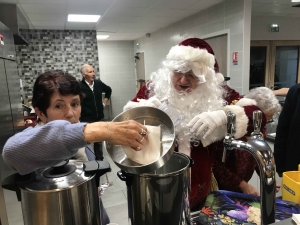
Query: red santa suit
{"x": 209, "y": 96}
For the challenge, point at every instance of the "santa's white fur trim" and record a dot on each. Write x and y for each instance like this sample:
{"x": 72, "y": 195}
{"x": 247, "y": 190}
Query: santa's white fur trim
{"x": 130, "y": 105}
{"x": 241, "y": 121}
{"x": 188, "y": 53}
{"x": 246, "y": 101}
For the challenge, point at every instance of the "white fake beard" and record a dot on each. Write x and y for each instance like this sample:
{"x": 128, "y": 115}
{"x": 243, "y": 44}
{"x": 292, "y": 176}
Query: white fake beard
{"x": 205, "y": 97}
{"x": 201, "y": 99}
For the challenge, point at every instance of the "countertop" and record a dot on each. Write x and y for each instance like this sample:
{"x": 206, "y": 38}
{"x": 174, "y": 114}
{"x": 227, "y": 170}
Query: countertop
{"x": 288, "y": 221}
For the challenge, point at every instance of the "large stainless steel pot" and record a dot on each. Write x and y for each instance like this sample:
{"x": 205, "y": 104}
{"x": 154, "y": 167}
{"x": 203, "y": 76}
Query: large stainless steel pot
{"x": 148, "y": 116}
{"x": 62, "y": 195}
{"x": 162, "y": 196}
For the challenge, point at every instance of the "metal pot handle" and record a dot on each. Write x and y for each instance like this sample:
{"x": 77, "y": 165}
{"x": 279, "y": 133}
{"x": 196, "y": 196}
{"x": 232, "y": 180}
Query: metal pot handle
{"x": 122, "y": 175}
{"x": 127, "y": 177}
{"x": 13, "y": 182}
{"x": 191, "y": 162}
{"x": 96, "y": 167}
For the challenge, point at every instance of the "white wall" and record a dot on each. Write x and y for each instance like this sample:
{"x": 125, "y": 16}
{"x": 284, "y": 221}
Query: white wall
{"x": 117, "y": 70}
{"x": 231, "y": 16}
{"x": 288, "y": 28}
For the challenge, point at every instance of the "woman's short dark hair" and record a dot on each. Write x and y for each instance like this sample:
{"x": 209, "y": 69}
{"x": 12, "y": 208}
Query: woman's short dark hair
{"x": 51, "y": 82}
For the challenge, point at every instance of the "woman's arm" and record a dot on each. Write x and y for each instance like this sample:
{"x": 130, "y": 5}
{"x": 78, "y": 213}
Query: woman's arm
{"x": 58, "y": 140}
{"x": 281, "y": 91}
{"x": 43, "y": 146}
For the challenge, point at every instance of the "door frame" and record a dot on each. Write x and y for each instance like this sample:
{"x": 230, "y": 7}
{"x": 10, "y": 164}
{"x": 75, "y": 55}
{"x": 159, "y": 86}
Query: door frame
{"x": 274, "y": 44}
{"x": 271, "y": 58}
{"x": 267, "y": 44}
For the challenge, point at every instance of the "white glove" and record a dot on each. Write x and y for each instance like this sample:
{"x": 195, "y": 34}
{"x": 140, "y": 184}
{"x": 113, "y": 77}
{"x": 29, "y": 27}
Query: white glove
{"x": 103, "y": 105}
{"x": 205, "y": 123}
{"x": 153, "y": 102}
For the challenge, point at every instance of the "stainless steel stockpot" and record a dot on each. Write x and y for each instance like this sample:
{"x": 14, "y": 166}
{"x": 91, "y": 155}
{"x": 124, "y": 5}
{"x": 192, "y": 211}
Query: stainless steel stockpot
{"x": 66, "y": 194}
{"x": 162, "y": 196}
{"x": 148, "y": 116}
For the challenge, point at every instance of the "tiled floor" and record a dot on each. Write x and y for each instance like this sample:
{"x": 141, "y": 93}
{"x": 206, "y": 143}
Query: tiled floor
{"x": 114, "y": 199}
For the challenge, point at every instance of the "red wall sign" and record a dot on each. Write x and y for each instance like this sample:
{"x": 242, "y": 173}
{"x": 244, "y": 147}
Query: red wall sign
{"x": 1, "y": 39}
{"x": 235, "y": 57}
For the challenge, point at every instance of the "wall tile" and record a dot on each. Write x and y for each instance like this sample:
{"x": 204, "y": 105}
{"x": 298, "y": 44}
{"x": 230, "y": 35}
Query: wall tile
{"x": 233, "y": 7}
{"x": 216, "y": 13}
{"x": 215, "y": 26}
{"x": 125, "y": 44}
{"x": 237, "y": 42}
{"x": 236, "y": 78}
{"x": 118, "y": 71}
{"x": 235, "y": 23}
{"x": 201, "y": 18}
{"x": 56, "y": 49}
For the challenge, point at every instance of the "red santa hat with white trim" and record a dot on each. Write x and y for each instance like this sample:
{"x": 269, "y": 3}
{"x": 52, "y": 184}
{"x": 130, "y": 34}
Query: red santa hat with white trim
{"x": 196, "y": 52}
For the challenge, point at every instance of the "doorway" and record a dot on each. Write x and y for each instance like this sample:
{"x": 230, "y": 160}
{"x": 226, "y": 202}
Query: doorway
{"x": 219, "y": 46}
{"x": 140, "y": 69}
{"x": 274, "y": 64}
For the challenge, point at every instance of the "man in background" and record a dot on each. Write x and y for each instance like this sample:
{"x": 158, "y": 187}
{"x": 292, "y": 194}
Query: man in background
{"x": 92, "y": 105}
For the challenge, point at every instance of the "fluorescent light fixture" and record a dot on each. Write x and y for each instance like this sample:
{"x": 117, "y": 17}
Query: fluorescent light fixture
{"x": 83, "y": 18}
{"x": 101, "y": 37}
{"x": 295, "y": 0}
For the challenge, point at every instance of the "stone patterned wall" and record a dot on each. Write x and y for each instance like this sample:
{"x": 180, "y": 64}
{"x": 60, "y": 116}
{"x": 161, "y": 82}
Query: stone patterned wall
{"x": 64, "y": 50}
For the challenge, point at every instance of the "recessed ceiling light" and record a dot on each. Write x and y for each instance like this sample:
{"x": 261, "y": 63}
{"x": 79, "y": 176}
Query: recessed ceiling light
{"x": 83, "y": 18}
{"x": 101, "y": 37}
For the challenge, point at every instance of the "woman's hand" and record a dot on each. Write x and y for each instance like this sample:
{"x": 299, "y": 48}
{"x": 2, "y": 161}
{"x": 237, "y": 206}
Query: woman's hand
{"x": 248, "y": 189}
{"x": 277, "y": 187}
{"x": 129, "y": 133}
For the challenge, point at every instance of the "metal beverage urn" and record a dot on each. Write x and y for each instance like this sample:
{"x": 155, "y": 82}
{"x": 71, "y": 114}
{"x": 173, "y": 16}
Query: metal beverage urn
{"x": 65, "y": 194}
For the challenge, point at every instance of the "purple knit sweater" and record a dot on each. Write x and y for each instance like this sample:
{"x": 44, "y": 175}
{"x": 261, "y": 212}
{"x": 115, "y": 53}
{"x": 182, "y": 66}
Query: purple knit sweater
{"x": 44, "y": 146}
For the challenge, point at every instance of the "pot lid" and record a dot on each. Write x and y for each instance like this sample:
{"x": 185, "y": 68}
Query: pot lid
{"x": 65, "y": 175}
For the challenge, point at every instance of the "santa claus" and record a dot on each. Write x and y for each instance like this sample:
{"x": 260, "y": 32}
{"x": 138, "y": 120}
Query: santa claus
{"x": 189, "y": 82}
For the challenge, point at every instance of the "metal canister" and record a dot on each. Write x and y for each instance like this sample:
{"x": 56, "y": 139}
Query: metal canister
{"x": 65, "y": 194}
{"x": 162, "y": 196}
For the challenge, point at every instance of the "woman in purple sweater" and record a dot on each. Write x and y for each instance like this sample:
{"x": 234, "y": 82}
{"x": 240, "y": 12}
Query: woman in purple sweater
{"x": 56, "y": 100}
{"x": 59, "y": 135}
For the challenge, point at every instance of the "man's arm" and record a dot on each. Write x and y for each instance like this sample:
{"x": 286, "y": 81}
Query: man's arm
{"x": 107, "y": 90}
{"x": 104, "y": 101}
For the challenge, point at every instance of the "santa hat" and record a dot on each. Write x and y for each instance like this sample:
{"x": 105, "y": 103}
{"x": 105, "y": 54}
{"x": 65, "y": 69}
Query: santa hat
{"x": 194, "y": 50}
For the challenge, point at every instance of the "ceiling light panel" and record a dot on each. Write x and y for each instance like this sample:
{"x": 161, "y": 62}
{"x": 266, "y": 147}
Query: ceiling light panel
{"x": 101, "y": 37}
{"x": 83, "y": 18}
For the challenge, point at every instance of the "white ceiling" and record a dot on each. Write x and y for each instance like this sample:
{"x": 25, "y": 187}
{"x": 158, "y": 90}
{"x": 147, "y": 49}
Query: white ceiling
{"x": 130, "y": 19}
{"x": 275, "y": 8}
